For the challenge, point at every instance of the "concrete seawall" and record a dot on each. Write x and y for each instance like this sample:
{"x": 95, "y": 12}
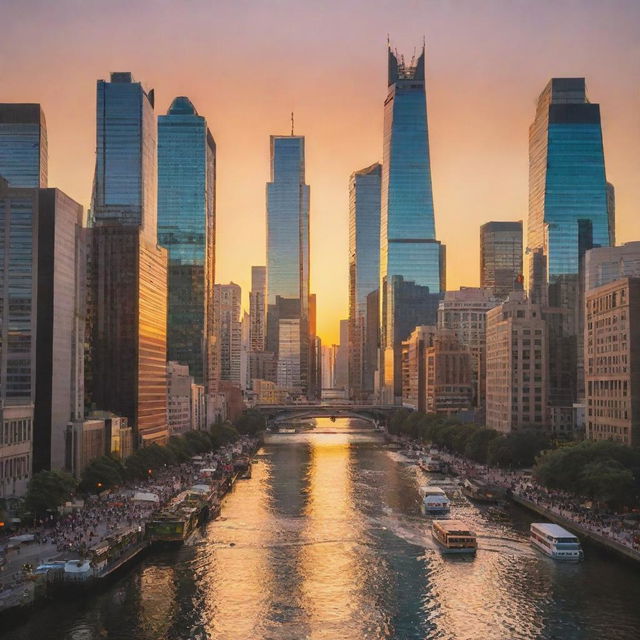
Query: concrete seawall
{"x": 570, "y": 525}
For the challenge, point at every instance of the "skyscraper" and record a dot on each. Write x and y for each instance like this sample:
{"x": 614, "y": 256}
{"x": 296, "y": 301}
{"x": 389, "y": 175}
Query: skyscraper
{"x": 257, "y": 308}
{"x": 288, "y": 258}
{"x": 186, "y": 227}
{"x": 127, "y": 298}
{"x": 408, "y": 245}
{"x": 570, "y": 204}
{"x": 23, "y": 145}
{"x": 227, "y": 305}
{"x": 501, "y": 257}
{"x": 364, "y": 273}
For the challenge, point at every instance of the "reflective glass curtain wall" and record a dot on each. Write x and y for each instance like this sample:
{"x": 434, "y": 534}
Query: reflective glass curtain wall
{"x": 186, "y": 227}
{"x": 23, "y": 145}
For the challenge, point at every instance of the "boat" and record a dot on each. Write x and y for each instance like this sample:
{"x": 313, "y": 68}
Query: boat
{"x": 431, "y": 464}
{"x": 434, "y": 500}
{"x": 454, "y": 536}
{"x": 556, "y": 542}
{"x": 481, "y": 492}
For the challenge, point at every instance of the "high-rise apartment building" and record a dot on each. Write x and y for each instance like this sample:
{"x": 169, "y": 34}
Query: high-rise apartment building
{"x": 23, "y": 145}
{"x": 179, "y": 384}
{"x": 501, "y": 257}
{"x": 465, "y": 312}
{"x": 364, "y": 273}
{"x": 612, "y": 361}
{"x": 517, "y": 367}
{"x": 258, "y": 308}
{"x": 288, "y": 260}
{"x": 414, "y": 381}
{"x": 227, "y": 306}
{"x": 606, "y": 264}
{"x": 127, "y": 296}
{"x": 186, "y": 227}
{"x": 408, "y": 245}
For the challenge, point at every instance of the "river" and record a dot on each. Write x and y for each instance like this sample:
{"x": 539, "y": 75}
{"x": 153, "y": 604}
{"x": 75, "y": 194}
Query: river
{"x": 326, "y": 542}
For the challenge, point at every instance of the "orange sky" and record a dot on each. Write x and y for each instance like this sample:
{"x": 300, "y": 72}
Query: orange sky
{"x": 246, "y": 64}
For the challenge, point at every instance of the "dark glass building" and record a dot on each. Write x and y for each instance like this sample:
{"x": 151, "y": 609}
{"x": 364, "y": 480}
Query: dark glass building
{"x": 186, "y": 227}
{"x": 288, "y": 259}
{"x": 501, "y": 257}
{"x": 127, "y": 297}
{"x": 23, "y": 145}
{"x": 408, "y": 245}
{"x": 364, "y": 272}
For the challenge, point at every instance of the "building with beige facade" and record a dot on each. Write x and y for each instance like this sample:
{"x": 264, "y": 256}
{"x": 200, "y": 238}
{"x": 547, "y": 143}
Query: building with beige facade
{"x": 413, "y": 367}
{"x": 612, "y": 361}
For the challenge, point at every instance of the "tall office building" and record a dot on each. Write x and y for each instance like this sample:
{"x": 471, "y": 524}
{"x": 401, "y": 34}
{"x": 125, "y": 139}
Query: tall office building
{"x": 127, "y": 297}
{"x": 501, "y": 257}
{"x": 612, "y": 362}
{"x": 23, "y": 145}
{"x": 364, "y": 273}
{"x": 570, "y": 204}
{"x": 257, "y": 308}
{"x": 288, "y": 261}
{"x": 408, "y": 245}
{"x": 465, "y": 313}
{"x": 606, "y": 264}
{"x": 227, "y": 305}
{"x": 342, "y": 357}
{"x": 186, "y": 227}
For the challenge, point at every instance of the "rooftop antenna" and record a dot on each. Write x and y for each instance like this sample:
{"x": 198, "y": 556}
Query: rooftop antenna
{"x": 388, "y": 42}
{"x": 292, "y": 123}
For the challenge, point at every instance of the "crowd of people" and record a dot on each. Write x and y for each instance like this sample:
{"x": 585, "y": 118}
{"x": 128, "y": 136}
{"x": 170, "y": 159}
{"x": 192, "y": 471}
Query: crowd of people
{"x": 99, "y": 517}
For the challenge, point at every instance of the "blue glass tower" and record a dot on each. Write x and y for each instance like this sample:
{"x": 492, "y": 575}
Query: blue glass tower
{"x": 569, "y": 200}
{"x": 364, "y": 274}
{"x": 23, "y": 145}
{"x": 186, "y": 227}
{"x": 408, "y": 246}
{"x": 288, "y": 253}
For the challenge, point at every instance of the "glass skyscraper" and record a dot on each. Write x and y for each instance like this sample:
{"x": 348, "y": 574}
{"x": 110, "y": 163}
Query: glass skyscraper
{"x": 125, "y": 182}
{"x": 127, "y": 297}
{"x": 288, "y": 252}
{"x": 186, "y": 227}
{"x": 23, "y": 145}
{"x": 408, "y": 245}
{"x": 501, "y": 257}
{"x": 364, "y": 273}
{"x": 570, "y": 203}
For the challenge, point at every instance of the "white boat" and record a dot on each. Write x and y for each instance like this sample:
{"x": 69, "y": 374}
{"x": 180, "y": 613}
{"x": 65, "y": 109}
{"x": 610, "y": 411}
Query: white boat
{"x": 556, "y": 542}
{"x": 434, "y": 500}
{"x": 454, "y": 536}
{"x": 431, "y": 464}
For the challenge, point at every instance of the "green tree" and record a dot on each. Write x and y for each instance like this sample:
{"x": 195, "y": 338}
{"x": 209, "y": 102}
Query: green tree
{"x": 608, "y": 481}
{"x": 251, "y": 422}
{"x": 224, "y": 434}
{"x": 48, "y": 490}
{"x": 477, "y": 446}
{"x": 102, "y": 473}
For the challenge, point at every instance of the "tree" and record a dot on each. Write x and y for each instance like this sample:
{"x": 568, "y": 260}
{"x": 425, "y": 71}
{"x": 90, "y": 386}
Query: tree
{"x": 518, "y": 449}
{"x": 477, "y": 447}
{"x": 48, "y": 490}
{"x": 608, "y": 481}
{"x": 223, "y": 434}
{"x": 102, "y": 473}
{"x": 251, "y": 422}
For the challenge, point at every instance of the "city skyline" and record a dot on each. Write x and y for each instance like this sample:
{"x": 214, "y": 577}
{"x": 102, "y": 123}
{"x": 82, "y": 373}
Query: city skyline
{"x": 483, "y": 139}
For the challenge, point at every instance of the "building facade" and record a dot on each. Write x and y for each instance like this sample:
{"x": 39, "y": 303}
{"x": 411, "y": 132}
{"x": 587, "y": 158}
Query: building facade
{"x": 465, "y": 312}
{"x": 186, "y": 228}
{"x": 127, "y": 270}
{"x": 612, "y": 362}
{"x": 227, "y": 306}
{"x": 408, "y": 245}
{"x": 341, "y": 380}
{"x": 606, "y": 264}
{"x": 288, "y": 260}
{"x": 414, "y": 361}
{"x": 179, "y": 383}
{"x": 23, "y": 145}
{"x": 501, "y": 254}
{"x": 364, "y": 274}
{"x": 258, "y": 308}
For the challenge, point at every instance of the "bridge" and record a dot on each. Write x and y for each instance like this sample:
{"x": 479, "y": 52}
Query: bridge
{"x": 279, "y": 414}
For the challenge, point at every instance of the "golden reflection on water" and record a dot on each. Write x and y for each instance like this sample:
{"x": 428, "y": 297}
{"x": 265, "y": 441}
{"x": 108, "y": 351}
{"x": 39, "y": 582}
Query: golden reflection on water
{"x": 157, "y": 600}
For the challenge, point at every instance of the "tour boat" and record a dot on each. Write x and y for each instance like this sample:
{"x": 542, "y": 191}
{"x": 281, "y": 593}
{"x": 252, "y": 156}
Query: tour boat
{"x": 556, "y": 542}
{"x": 435, "y": 500}
{"x": 431, "y": 464}
{"x": 480, "y": 492}
{"x": 454, "y": 536}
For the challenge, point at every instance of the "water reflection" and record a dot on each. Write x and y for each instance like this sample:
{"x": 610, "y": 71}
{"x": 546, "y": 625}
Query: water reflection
{"x": 325, "y": 542}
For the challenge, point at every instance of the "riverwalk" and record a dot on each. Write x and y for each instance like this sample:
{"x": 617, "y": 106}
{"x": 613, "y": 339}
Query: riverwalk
{"x": 111, "y": 526}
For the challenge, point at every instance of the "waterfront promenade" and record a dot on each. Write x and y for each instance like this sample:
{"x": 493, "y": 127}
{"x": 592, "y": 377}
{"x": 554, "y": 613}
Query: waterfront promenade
{"x": 609, "y": 529}
{"x": 102, "y": 517}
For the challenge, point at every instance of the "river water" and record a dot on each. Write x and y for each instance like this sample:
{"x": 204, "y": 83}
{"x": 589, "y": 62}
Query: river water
{"x": 327, "y": 542}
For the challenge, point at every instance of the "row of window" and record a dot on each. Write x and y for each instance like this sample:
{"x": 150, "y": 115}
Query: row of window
{"x": 15, "y": 432}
